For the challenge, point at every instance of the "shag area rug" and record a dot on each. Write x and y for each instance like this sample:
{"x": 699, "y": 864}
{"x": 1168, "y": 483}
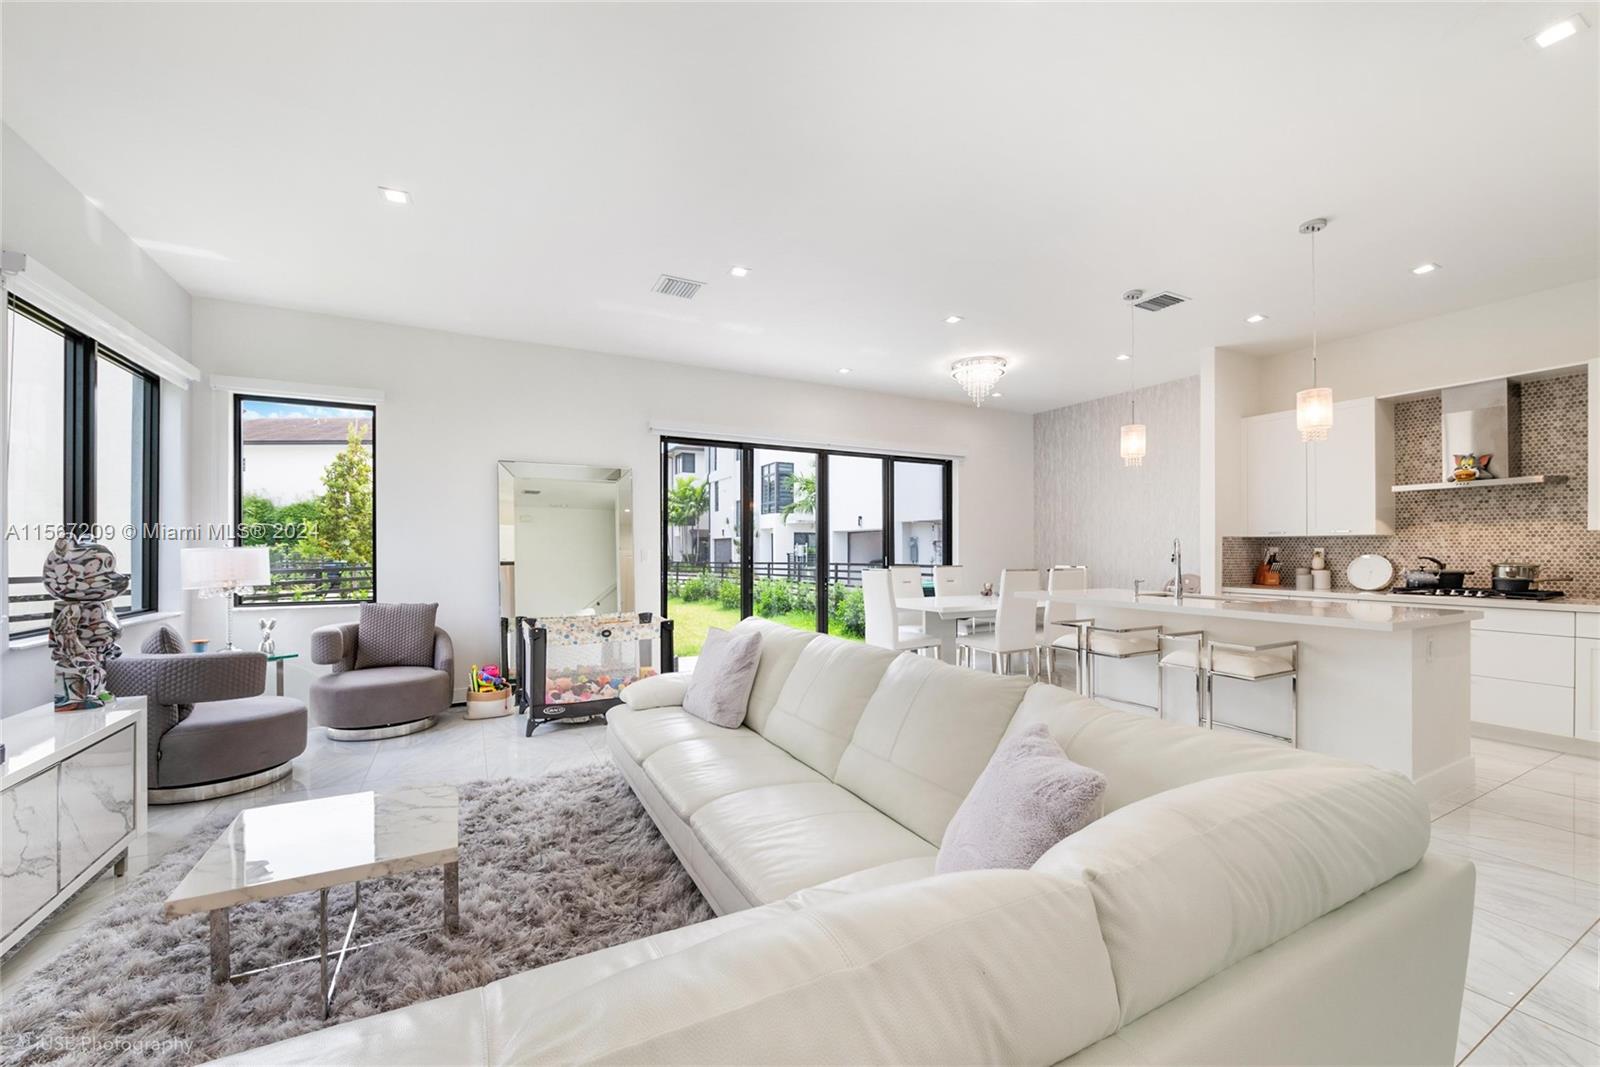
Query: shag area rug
{"x": 551, "y": 867}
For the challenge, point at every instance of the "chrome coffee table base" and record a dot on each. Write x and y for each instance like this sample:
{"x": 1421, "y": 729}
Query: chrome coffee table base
{"x": 221, "y": 950}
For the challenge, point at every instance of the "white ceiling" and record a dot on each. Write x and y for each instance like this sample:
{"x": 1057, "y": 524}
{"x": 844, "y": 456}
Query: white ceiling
{"x": 878, "y": 166}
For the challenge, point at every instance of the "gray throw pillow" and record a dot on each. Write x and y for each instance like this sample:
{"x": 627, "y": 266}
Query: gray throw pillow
{"x": 1027, "y": 799}
{"x": 395, "y": 635}
{"x": 719, "y": 687}
{"x": 164, "y": 642}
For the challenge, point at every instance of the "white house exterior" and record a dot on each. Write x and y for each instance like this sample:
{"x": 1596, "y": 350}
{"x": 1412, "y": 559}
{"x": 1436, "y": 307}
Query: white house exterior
{"x": 283, "y": 458}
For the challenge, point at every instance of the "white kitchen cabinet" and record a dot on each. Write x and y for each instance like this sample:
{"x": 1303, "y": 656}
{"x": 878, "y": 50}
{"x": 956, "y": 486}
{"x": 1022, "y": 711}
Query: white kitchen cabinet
{"x": 1274, "y": 476}
{"x": 1522, "y": 657}
{"x": 1337, "y": 487}
{"x": 1586, "y": 708}
{"x": 1545, "y": 709}
{"x": 1352, "y": 472}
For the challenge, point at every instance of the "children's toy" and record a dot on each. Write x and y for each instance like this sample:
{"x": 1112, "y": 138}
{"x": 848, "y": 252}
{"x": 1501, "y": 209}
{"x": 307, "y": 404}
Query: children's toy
{"x": 575, "y": 666}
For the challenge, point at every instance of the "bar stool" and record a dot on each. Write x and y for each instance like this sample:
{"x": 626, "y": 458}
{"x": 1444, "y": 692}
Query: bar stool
{"x": 1255, "y": 663}
{"x": 1120, "y": 643}
{"x": 1187, "y": 655}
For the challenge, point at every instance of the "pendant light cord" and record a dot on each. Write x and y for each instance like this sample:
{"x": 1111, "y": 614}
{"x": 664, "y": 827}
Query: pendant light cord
{"x": 1132, "y": 415}
{"x": 1313, "y": 309}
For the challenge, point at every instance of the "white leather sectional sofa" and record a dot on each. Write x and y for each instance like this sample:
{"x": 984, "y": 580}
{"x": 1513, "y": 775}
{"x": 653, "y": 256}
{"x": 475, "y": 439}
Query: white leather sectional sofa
{"x": 1239, "y": 902}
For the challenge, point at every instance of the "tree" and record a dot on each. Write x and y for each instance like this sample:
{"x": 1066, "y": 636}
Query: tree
{"x": 803, "y": 495}
{"x": 687, "y": 501}
{"x": 343, "y": 525}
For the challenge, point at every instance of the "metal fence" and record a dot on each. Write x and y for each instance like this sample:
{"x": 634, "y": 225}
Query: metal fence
{"x": 301, "y": 581}
{"x": 799, "y": 572}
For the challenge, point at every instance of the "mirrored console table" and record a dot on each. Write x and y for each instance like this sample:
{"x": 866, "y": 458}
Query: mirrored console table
{"x": 72, "y": 797}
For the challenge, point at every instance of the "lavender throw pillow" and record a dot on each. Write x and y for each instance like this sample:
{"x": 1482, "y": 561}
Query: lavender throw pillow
{"x": 719, "y": 688}
{"x": 1027, "y": 799}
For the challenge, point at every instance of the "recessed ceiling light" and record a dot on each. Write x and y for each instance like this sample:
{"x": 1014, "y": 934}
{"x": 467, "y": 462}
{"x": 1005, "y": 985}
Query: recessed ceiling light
{"x": 1123, "y": 357}
{"x": 951, "y": 320}
{"x": 395, "y": 196}
{"x": 1426, "y": 268}
{"x": 739, "y": 272}
{"x": 1559, "y": 31}
{"x": 844, "y": 370}
{"x": 1253, "y": 319}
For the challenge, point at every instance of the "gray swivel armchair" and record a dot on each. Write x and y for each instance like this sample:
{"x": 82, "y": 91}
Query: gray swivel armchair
{"x": 359, "y": 703}
{"x": 211, "y": 731}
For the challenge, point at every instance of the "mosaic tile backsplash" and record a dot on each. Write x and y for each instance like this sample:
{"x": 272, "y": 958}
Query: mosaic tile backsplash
{"x": 1472, "y": 528}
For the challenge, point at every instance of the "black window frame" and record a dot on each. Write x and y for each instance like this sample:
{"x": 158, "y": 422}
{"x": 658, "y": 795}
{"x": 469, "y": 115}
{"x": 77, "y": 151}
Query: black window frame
{"x": 81, "y": 355}
{"x": 749, "y": 506}
{"x": 239, "y": 400}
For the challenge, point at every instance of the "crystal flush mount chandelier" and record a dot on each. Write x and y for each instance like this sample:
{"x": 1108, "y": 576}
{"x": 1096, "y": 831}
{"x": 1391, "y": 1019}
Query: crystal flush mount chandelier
{"x": 978, "y": 375}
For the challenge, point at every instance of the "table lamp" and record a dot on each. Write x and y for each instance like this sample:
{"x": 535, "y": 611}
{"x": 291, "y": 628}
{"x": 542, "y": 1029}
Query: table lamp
{"x": 225, "y": 571}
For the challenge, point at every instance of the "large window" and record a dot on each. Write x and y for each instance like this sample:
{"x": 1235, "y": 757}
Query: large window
{"x": 84, "y": 455}
{"x": 794, "y": 554}
{"x": 304, "y": 488}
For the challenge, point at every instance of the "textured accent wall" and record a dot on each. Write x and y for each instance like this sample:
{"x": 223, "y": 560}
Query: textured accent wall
{"x": 1119, "y": 521}
{"x": 1471, "y": 528}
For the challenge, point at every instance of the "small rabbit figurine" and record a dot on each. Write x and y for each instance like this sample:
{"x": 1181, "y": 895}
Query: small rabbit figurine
{"x": 269, "y": 644}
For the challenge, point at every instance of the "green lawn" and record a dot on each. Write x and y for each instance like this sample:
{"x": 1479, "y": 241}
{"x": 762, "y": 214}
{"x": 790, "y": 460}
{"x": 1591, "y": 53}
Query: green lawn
{"x": 691, "y": 620}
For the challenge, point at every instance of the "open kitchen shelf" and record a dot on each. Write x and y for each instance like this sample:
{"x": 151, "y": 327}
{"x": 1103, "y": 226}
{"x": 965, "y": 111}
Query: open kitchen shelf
{"x": 1483, "y": 483}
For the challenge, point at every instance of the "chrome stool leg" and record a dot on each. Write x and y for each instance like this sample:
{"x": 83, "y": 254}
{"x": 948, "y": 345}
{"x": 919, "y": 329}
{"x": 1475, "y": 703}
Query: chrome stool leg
{"x": 1197, "y": 639}
{"x": 1289, "y": 670}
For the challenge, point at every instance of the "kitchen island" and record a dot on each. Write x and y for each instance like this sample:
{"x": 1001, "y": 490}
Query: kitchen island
{"x": 1378, "y": 682}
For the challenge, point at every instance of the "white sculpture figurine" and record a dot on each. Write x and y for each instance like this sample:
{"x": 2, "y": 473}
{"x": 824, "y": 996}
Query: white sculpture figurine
{"x": 269, "y": 644}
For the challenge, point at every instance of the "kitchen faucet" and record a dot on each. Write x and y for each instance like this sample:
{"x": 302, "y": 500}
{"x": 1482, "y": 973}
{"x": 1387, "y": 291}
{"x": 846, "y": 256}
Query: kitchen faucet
{"x": 1177, "y": 562}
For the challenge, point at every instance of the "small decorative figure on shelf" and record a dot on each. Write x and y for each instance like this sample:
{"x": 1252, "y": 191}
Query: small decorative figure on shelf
{"x": 83, "y": 626}
{"x": 269, "y": 644}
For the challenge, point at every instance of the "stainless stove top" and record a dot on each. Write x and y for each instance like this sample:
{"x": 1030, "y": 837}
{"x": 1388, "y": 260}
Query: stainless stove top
{"x": 1483, "y": 594}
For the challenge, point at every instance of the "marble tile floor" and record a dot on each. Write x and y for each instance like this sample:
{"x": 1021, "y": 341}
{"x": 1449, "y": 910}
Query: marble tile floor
{"x": 1529, "y": 822}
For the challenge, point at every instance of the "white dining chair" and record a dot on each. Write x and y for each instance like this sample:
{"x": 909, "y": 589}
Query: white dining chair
{"x": 883, "y": 626}
{"x": 907, "y": 586}
{"x": 1062, "y": 629}
{"x": 1013, "y": 626}
{"x": 952, "y": 581}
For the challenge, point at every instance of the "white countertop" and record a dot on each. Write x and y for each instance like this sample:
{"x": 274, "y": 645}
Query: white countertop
{"x": 41, "y": 736}
{"x": 1377, "y": 614}
{"x": 1566, "y": 603}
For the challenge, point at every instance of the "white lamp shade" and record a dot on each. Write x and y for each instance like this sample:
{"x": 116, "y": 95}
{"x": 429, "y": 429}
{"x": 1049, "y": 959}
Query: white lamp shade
{"x": 225, "y": 568}
{"x": 1313, "y": 413}
{"x": 1133, "y": 444}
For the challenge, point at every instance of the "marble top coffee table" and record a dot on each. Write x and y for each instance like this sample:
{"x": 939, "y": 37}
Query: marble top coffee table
{"x": 311, "y": 845}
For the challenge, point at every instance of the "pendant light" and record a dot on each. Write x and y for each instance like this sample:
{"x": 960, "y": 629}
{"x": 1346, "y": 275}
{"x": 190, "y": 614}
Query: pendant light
{"x": 1313, "y": 408}
{"x": 1133, "y": 435}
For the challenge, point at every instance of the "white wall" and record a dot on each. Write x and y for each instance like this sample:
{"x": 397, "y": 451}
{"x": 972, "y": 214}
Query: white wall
{"x": 1119, "y": 521}
{"x": 42, "y": 215}
{"x": 287, "y": 474}
{"x": 1551, "y": 328}
{"x": 438, "y": 443}
{"x": 1228, "y": 384}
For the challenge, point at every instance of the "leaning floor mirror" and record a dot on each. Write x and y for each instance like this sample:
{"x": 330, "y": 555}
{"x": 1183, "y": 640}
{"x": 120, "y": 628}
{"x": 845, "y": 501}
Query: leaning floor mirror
{"x": 566, "y": 539}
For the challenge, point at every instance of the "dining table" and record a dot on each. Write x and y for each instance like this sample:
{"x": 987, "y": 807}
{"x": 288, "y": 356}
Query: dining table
{"x": 942, "y": 615}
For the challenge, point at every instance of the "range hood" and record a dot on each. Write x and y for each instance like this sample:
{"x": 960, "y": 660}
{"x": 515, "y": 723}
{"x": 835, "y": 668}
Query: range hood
{"x": 1481, "y": 419}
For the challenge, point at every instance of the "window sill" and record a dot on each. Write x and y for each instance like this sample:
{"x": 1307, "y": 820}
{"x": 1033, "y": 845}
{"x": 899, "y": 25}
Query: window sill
{"x": 17, "y": 644}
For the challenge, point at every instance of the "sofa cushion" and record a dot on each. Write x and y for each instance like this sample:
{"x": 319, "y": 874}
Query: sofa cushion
{"x": 816, "y": 712}
{"x": 379, "y": 696}
{"x": 1190, "y": 881}
{"x": 983, "y": 967}
{"x": 642, "y": 733}
{"x": 780, "y": 647}
{"x": 923, "y": 739}
{"x": 692, "y": 773}
{"x": 656, "y": 691}
{"x": 395, "y": 635}
{"x": 719, "y": 688}
{"x": 774, "y": 840}
{"x": 1141, "y": 756}
{"x": 230, "y": 738}
{"x": 163, "y": 641}
{"x": 1029, "y": 797}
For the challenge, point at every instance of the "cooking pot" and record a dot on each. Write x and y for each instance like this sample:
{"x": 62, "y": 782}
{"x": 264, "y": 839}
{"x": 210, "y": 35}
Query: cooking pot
{"x": 1514, "y": 577}
{"x": 1431, "y": 574}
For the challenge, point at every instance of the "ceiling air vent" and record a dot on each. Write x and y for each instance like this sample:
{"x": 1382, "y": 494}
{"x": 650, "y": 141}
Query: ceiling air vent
{"x": 1161, "y": 301}
{"x": 676, "y": 286}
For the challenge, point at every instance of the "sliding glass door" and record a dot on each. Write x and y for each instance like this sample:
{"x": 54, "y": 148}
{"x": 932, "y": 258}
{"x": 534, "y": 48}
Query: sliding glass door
{"x": 782, "y": 533}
